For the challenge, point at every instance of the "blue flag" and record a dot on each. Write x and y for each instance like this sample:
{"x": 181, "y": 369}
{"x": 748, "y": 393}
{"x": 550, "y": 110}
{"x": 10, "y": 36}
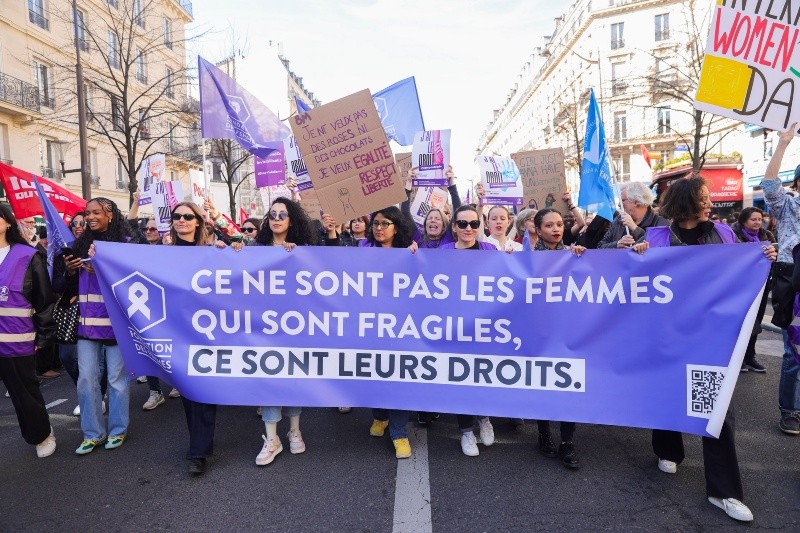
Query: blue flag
{"x": 302, "y": 107}
{"x": 597, "y": 190}
{"x": 58, "y": 234}
{"x": 398, "y": 107}
{"x": 228, "y": 111}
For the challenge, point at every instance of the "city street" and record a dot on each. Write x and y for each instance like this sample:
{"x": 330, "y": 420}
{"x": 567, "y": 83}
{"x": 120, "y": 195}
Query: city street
{"x": 349, "y": 481}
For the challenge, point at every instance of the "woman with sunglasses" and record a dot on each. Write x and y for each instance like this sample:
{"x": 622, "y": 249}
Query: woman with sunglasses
{"x": 466, "y": 226}
{"x": 104, "y": 222}
{"x": 286, "y": 225}
{"x": 550, "y": 229}
{"x": 250, "y": 228}
{"x": 389, "y": 229}
{"x": 26, "y": 326}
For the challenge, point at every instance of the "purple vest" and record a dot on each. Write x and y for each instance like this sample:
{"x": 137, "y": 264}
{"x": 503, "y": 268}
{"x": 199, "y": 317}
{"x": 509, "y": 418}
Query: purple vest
{"x": 17, "y": 331}
{"x": 94, "y": 321}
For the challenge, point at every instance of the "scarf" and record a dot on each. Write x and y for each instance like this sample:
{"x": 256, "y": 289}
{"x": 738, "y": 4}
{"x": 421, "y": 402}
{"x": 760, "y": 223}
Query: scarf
{"x": 750, "y": 236}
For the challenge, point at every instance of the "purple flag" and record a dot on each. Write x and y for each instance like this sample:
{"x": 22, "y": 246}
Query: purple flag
{"x": 58, "y": 234}
{"x": 228, "y": 111}
{"x": 302, "y": 107}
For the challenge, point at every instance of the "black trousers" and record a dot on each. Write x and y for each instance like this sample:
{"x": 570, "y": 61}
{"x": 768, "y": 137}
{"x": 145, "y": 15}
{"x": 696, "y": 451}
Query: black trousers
{"x": 200, "y": 419}
{"x": 567, "y": 429}
{"x": 719, "y": 458}
{"x": 19, "y": 376}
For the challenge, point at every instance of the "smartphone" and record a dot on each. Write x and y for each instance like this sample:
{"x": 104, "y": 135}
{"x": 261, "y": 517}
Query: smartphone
{"x": 67, "y": 251}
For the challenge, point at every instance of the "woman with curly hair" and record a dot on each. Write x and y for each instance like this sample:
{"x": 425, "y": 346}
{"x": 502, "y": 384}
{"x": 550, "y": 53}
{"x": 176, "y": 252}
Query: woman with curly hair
{"x": 104, "y": 222}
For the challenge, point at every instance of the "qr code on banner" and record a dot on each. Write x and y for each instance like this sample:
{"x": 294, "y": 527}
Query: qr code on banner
{"x": 703, "y": 385}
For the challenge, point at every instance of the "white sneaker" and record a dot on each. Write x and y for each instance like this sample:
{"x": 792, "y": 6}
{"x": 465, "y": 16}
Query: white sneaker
{"x": 296, "y": 444}
{"x": 103, "y": 405}
{"x": 47, "y": 446}
{"x": 155, "y": 399}
{"x": 345, "y": 410}
{"x": 141, "y": 379}
{"x": 8, "y": 395}
{"x": 469, "y": 444}
{"x": 668, "y": 467}
{"x": 271, "y": 448}
{"x": 733, "y": 508}
{"x": 486, "y": 431}
{"x": 76, "y": 411}
{"x": 174, "y": 393}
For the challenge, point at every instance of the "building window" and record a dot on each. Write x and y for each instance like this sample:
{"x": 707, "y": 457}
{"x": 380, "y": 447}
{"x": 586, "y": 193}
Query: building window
{"x": 171, "y": 137}
{"x": 216, "y": 173}
{"x": 768, "y": 146}
{"x": 122, "y": 176}
{"x": 43, "y": 75}
{"x": 95, "y": 179}
{"x": 662, "y": 27}
{"x": 168, "y": 33}
{"x": 141, "y": 73}
{"x": 618, "y": 85}
{"x": 138, "y": 13}
{"x": 620, "y": 126}
{"x": 116, "y": 114}
{"x": 168, "y": 83}
{"x": 144, "y": 129}
{"x": 113, "y": 50}
{"x": 5, "y": 156}
{"x": 664, "y": 120}
{"x": 622, "y": 166}
{"x": 37, "y": 14}
{"x": 51, "y": 161}
{"x": 83, "y": 44}
{"x": 617, "y": 35}
{"x": 88, "y": 99}
{"x": 114, "y": 3}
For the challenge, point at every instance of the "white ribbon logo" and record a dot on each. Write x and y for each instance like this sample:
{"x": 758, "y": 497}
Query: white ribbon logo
{"x": 138, "y": 295}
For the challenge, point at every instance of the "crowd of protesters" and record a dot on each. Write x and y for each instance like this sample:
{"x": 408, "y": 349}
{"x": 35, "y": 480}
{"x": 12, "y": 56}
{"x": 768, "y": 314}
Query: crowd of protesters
{"x": 95, "y": 364}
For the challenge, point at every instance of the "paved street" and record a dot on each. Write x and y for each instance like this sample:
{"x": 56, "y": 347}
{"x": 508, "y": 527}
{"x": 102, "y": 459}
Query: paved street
{"x": 349, "y": 481}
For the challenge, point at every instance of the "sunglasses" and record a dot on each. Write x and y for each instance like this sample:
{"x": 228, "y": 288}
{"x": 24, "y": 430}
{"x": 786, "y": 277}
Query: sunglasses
{"x": 248, "y": 230}
{"x": 151, "y": 229}
{"x": 278, "y": 216}
{"x": 463, "y": 224}
{"x": 382, "y": 224}
{"x": 184, "y": 216}
{"x": 82, "y": 223}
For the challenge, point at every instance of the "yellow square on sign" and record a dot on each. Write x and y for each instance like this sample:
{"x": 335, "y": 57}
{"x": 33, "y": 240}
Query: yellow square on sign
{"x": 723, "y": 82}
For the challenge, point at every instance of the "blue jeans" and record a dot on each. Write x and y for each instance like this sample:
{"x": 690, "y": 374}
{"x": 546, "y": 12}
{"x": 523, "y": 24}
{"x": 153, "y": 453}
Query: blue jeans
{"x": 397, "y": 421}
{"x": 68, "y": 353}
{"x": 789, "y": 384}
{"x": 90, "y": 353}
{"x": 272, "y": 415}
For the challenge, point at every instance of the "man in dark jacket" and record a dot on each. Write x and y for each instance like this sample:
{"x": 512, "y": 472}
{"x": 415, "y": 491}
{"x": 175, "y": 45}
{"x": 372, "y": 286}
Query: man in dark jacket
{"x": 637, "y": 215}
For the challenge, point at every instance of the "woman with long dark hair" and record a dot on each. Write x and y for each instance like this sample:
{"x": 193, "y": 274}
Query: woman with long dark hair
{"x": 26, "y": 326}
{"x": 104, "y": 222}
{"x": 390, "y": 229}
{"x": 687, "y": 203}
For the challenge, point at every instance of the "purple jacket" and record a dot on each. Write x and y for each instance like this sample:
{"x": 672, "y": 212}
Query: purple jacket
{"x": 17, "y": 330}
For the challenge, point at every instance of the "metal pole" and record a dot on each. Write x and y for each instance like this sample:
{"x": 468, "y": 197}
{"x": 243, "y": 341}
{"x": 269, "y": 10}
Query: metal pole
{"x": 86, "y": 183}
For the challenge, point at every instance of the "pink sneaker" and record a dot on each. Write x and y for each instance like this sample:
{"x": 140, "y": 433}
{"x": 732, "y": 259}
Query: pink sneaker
{"x": 296, "y": 444}
{"x": 271, "y": 448}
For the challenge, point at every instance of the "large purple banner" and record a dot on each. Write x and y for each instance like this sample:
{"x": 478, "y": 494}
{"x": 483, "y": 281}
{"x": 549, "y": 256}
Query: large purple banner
{"x": 608, "y": 338}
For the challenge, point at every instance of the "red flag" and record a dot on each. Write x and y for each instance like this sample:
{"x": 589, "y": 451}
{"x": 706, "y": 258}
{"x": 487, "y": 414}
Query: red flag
{"x": 231, "y": 222}
{"x": 242, "y": 216}
{"x": 646, "y": 156}
{"x": 21, "y": 192}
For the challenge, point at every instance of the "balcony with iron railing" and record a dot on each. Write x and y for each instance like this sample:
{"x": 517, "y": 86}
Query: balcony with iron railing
{"x": 53, "y": 174}
{"x": 616, "y": 44}
{"x": 618, "y": 87}
{"x": 39, "y": 19}
{"x": 19, "y": 93}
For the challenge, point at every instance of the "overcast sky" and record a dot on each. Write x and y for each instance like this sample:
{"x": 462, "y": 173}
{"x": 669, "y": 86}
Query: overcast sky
{"x": 465, "y": 54}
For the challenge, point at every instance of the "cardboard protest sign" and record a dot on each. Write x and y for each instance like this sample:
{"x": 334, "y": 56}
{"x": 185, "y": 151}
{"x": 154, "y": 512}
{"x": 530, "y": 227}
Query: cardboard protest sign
{"x": 501, "y": 180}
{"x": 165, "y": 196}
{"x": 348, "y": 157}
{"x": 309, "y": 201}
{"x": 748, "y": 71}
{"x": 295, "y": 166}
{"x": 153, "y": 170}
{"x": 543, "y": 178}
{"x": 403, "y": 162}
{"x": 272, "y": 170}
{"x": 428, "y": 198}
{"x": 431, "y": 157}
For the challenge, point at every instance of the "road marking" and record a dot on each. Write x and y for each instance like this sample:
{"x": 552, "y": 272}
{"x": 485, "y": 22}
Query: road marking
{"x": 54, "y": 403}
{"x": 412, "y": 493}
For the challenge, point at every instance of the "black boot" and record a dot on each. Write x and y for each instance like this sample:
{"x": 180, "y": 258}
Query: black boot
{"x": 568, "y": 455}
{"x": 197, "y": 467}
{"x": 546, "y": 446}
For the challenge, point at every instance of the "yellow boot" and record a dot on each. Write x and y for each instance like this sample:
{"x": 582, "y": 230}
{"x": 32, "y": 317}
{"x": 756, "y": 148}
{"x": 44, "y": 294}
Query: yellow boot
{"x": 378, "y": 428}
{"x": 402, "y": 448}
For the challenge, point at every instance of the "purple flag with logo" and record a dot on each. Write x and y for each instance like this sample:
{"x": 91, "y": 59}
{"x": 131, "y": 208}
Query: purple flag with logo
{"x": 58, "y": 234}
{"x": 438, "y": 331}
{"x": 228, "y": 111}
